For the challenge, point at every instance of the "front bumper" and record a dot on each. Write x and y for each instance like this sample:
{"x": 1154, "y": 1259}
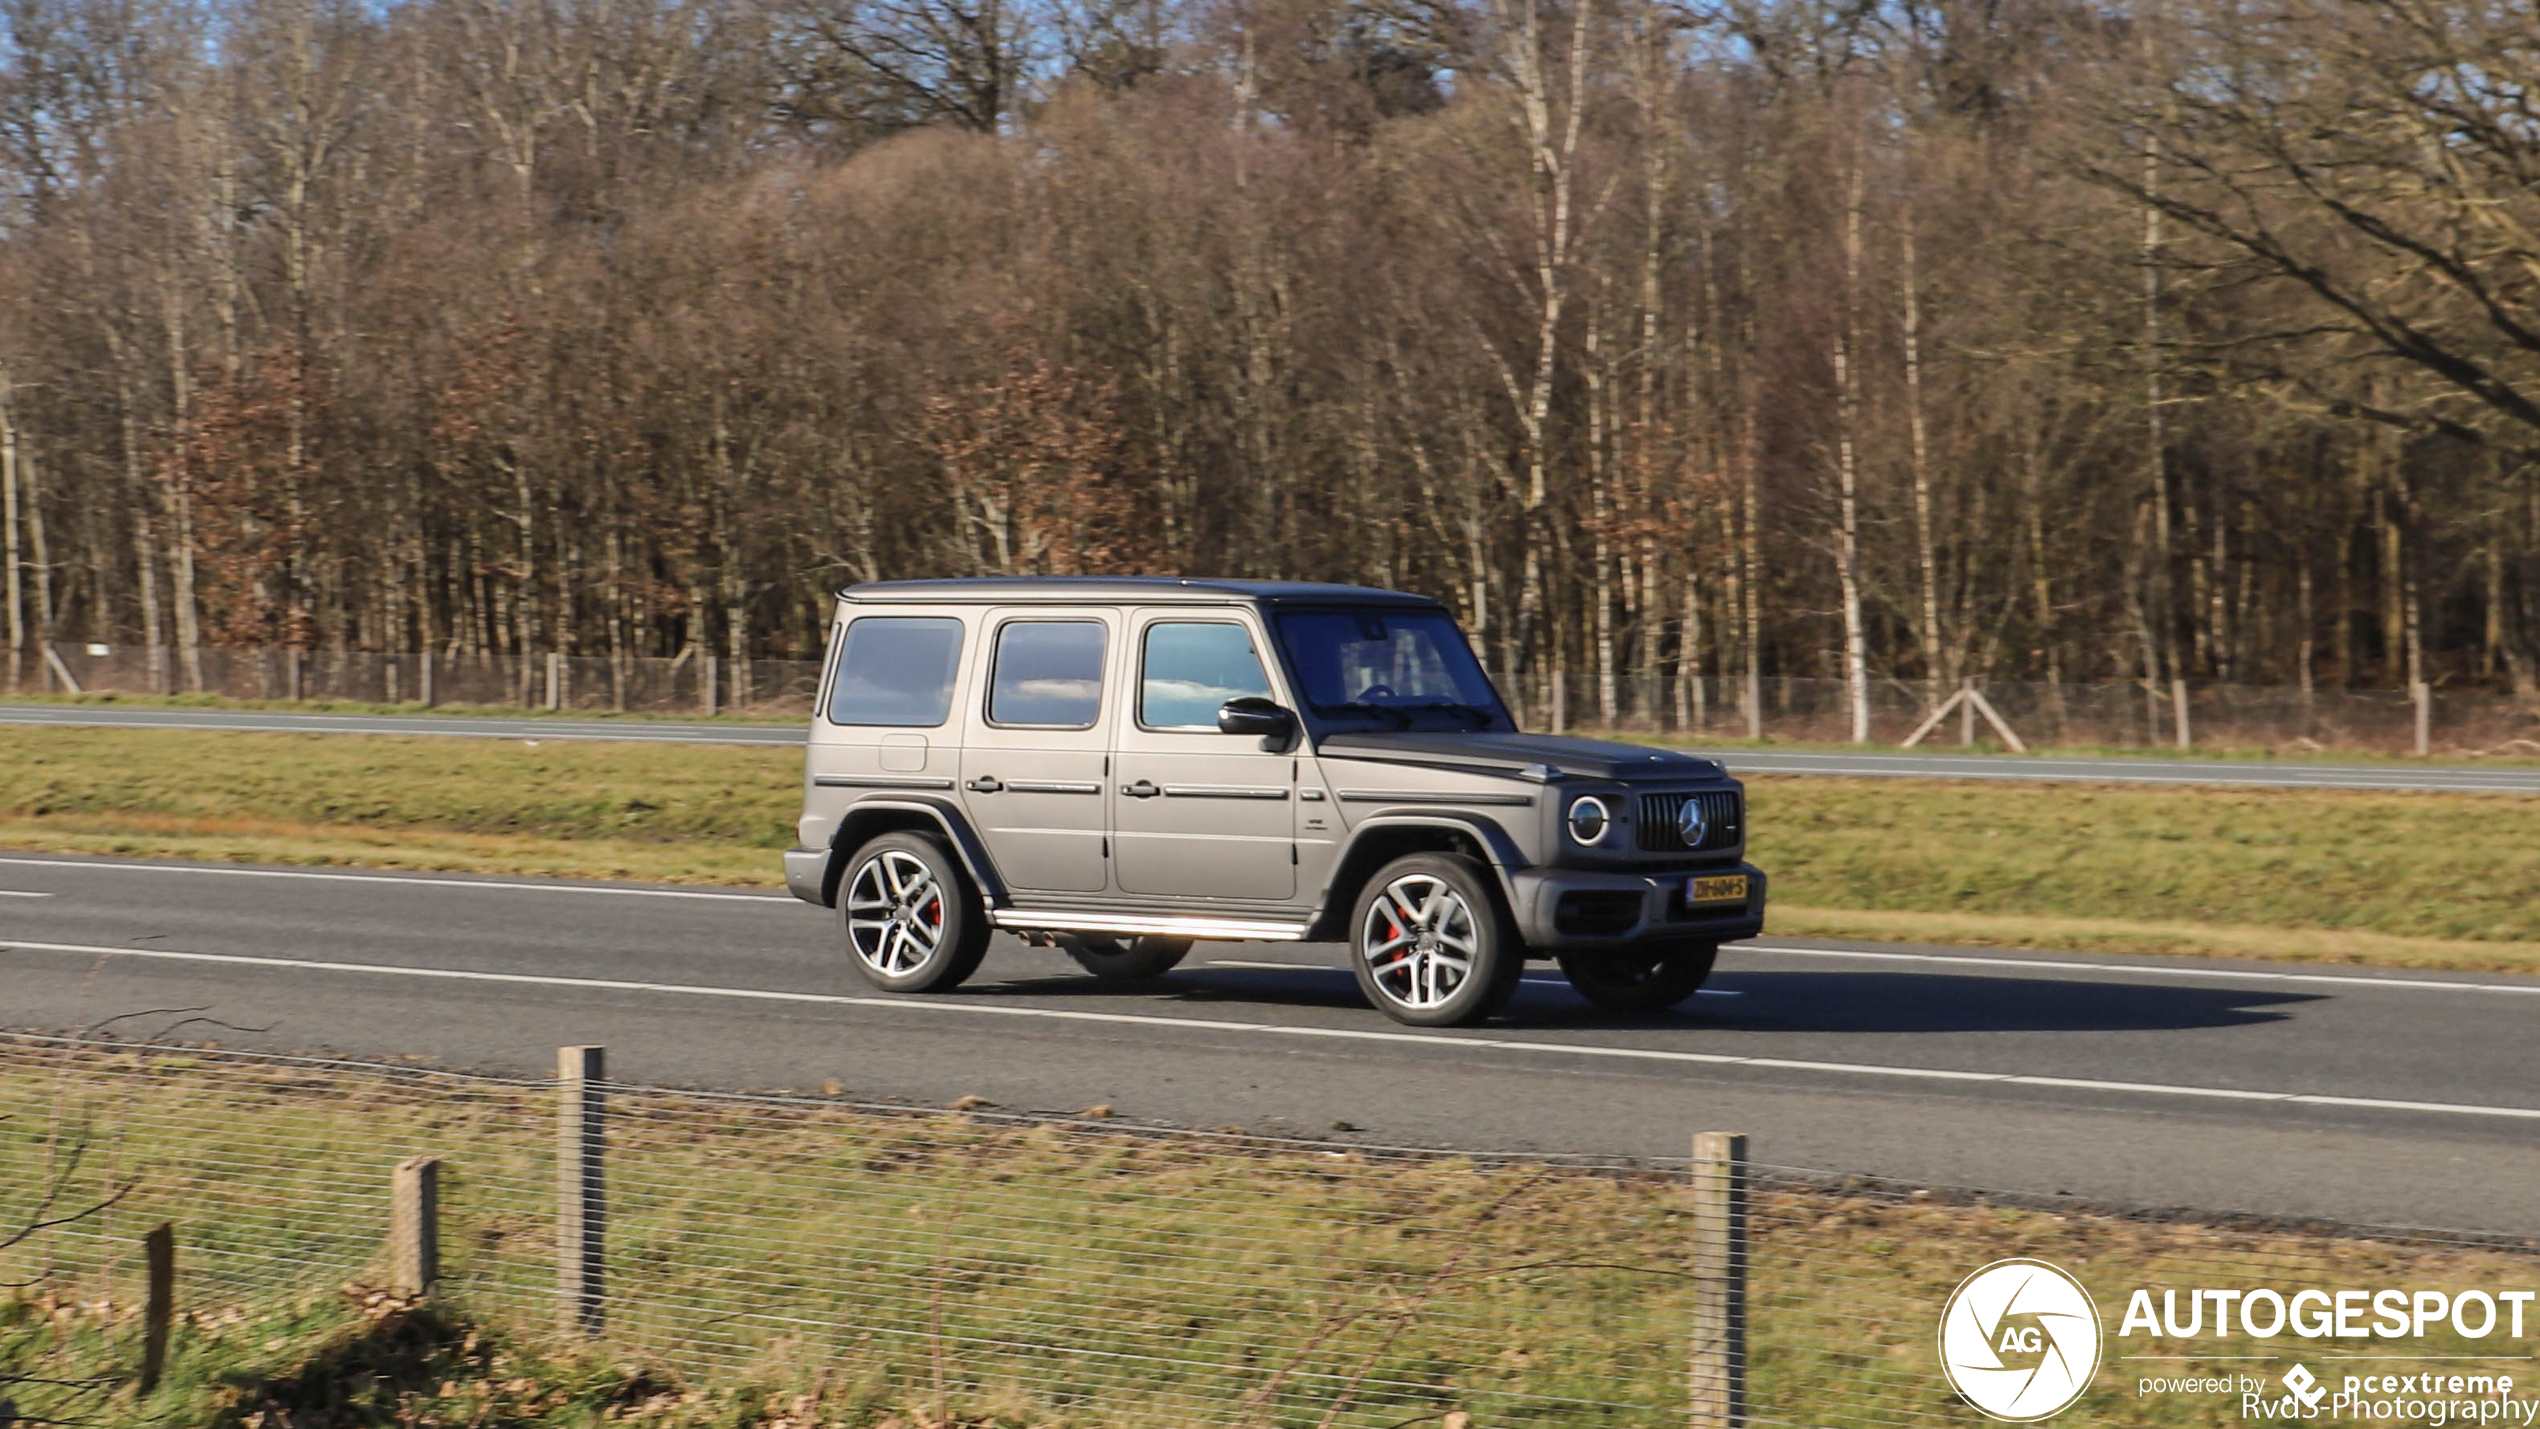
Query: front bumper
{"x": 807, "y": 875}
{"x": 1561, "y": 910}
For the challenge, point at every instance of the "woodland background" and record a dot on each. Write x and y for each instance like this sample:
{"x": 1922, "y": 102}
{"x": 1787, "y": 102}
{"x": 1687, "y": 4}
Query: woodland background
{"x": 2028, "y": 339}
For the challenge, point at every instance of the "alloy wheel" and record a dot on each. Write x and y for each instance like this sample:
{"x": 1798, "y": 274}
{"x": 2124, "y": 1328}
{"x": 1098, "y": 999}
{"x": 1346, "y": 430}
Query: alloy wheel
{"x": 895, "y": 913}
{"x": 1420, "y": 941}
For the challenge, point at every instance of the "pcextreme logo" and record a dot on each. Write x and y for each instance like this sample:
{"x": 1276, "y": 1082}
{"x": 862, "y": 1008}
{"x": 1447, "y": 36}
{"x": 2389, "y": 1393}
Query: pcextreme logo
{"x": 2019, "y": 1340}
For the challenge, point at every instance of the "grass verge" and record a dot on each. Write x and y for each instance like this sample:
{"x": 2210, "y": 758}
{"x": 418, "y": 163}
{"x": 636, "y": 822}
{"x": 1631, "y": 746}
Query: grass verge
{"x": 792, "y": 1262}
{"x": 2415, "y": 880}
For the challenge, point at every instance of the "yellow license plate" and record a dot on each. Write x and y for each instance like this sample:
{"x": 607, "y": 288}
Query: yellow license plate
{"x": 1727, "y": 888}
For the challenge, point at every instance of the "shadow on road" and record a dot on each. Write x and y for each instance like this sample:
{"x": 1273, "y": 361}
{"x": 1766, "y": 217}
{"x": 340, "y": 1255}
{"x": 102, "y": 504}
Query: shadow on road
{"x": 1928, "y": 1002}
{"x": 1755, "y": 1001}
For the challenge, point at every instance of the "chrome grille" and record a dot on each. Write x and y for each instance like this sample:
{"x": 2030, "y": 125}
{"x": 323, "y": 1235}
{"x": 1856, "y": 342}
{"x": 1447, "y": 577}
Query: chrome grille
{"x": 1659, "y": 812}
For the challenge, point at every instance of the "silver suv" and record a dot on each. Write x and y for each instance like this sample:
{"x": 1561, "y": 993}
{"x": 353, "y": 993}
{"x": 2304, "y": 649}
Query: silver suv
{"x": 1121, "y": 766}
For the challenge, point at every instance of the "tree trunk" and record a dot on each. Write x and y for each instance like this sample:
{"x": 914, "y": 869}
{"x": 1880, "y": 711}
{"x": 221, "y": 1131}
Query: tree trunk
{"x": 1918, "y": 450}
{"x": 1601, "y": 519}
{"x": 178, "y": 491}
{"x": 9, "y": 524}
{"x": 2156, "y": 438}
{"x": 1856, "y": 670}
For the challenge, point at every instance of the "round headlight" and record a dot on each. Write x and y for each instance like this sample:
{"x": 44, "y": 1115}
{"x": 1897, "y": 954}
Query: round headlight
{"x": 1589, "y": 820}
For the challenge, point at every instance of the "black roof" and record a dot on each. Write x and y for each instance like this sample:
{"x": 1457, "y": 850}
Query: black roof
{"x": 1152, "y": 589}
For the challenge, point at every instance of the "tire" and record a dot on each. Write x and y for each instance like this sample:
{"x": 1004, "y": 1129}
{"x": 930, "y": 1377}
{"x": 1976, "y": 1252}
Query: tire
{"x": 1136, "y": 958}
{"x": 1431, "y": 944}
{"x": 1640, "y": 979}
{"x": 912, "y": 920}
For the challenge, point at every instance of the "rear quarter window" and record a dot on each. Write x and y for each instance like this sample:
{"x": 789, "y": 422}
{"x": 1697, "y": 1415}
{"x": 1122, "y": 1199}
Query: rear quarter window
{"x": 897, "y": 670}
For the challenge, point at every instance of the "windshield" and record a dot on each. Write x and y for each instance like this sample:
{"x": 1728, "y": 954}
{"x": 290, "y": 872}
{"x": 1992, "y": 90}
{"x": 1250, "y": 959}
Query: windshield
{"x": 1389, "y": 669}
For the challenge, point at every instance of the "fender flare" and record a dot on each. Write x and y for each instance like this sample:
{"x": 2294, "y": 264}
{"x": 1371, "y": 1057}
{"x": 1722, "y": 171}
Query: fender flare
{"x": 947, "y": 817}
{"x": 1504, "y": 859}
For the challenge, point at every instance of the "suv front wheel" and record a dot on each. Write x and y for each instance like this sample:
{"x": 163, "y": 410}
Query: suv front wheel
{"x": 913, "y": 921}
{"x": 1430, "y": 943}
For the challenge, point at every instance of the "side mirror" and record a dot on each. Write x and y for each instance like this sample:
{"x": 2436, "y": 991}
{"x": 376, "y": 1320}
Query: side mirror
{"x": 1251, "y": 714}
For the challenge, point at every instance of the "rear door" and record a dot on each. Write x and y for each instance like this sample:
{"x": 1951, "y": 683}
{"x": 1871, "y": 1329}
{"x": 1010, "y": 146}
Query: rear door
{"x": 1033, "y": 761}
{"x": 1197, "y": 813}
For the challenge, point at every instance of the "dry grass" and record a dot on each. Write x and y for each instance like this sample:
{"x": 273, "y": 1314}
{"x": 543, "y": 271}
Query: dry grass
{"x": 2411, "y": 880}
{"x": 808, "y": 1263}
{"x": 2248, "y": 864}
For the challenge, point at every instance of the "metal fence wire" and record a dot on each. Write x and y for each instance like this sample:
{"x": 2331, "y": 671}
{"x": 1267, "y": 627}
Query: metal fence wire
{"x": 981, "y": 1267}
{"x": 1001, "y": 1266}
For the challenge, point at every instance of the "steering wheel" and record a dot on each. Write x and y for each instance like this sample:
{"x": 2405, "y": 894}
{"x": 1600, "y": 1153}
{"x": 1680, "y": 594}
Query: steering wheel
{"x": 1373, "y": 691}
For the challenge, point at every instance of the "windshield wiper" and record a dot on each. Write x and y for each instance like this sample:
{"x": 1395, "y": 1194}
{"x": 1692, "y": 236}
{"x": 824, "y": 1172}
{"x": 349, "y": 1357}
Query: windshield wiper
{"x": 1480, "y": 717}
{"x": 1400, "y": 720}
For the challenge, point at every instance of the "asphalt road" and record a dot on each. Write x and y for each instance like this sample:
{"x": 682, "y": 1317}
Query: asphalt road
{"x": 2340, "y": 1093}
{"x": 2437, "y": 778}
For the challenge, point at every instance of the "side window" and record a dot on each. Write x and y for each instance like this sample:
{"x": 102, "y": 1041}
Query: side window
{"x": 897, "y": 670}
{"x": 1048, "y": 673}
{"x": 1192, "y": 667}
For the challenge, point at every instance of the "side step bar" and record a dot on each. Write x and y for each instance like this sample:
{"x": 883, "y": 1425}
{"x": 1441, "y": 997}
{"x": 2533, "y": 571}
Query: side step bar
{"x": 1226, "y": 929}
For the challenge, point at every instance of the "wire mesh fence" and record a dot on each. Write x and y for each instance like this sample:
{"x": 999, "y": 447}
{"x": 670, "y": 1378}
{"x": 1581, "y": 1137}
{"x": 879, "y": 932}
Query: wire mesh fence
{"x": 978, "y": 1267}
{"x": 700, "y": 684}
{"x": 1789, "y": 709}
{"x": 991, "y": 1265}
{"x": 2119, "y": 716}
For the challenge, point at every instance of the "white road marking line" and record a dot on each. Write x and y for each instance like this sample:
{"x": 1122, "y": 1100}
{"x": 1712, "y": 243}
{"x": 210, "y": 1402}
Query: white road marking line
{"x": 1864, "y": 954}
{"x": 1861, "y": 954}
{"x": 1547, "y": 979}
{"x": 2402, "y": 984}
{"x": 416, "y": 880}
{"x": 1348, "y": 1034}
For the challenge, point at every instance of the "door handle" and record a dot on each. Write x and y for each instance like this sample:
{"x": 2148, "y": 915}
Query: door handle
{"x": 1143, "y": 789}
{"x": 984, "y": 784}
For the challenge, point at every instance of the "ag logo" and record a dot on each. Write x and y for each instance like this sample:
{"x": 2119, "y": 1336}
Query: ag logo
{"x": 2020, "y": 1340}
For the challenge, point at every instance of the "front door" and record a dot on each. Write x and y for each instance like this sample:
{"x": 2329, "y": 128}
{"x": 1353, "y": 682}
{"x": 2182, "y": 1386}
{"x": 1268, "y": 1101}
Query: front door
{"x": 1197, "y": 813}
{"x": 1034, "y": 756}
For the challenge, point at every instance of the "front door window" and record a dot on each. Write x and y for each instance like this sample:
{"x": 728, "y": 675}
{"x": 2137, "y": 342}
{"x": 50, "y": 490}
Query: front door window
{"x": 1191, "y": 668}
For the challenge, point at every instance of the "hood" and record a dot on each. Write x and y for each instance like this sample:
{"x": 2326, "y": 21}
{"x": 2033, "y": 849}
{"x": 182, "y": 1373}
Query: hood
{"x": 1508, "y": 754}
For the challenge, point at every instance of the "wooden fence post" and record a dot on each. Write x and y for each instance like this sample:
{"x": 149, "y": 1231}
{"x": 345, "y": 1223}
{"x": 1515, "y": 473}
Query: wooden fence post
{"x": 159, "y": 1249}
{"x": 2178, "y": 706}
{"x": 581, "y": 1189}
{"x": 713, "y": 692}
{"x": 426, "y": 680}
{"x": 555, "y": 680}
{"x": 2422, "y": 695}
{"x": 1719, "y": 1263}
{"x": 414, "y": 1227}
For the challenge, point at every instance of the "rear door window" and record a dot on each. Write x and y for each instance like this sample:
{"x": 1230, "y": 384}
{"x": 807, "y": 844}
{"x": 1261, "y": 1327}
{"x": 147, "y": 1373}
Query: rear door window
{"x": 1048, "y": 674}
{"x": 897, "y": 670}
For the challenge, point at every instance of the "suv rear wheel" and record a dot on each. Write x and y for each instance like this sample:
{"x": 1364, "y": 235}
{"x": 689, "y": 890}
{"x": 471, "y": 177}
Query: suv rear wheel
{"x": 1430, "y": 943}
{"x": 1106, "y": 957}
{"x": 1640, "y": 979}
{"x": 913, "y": 921}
